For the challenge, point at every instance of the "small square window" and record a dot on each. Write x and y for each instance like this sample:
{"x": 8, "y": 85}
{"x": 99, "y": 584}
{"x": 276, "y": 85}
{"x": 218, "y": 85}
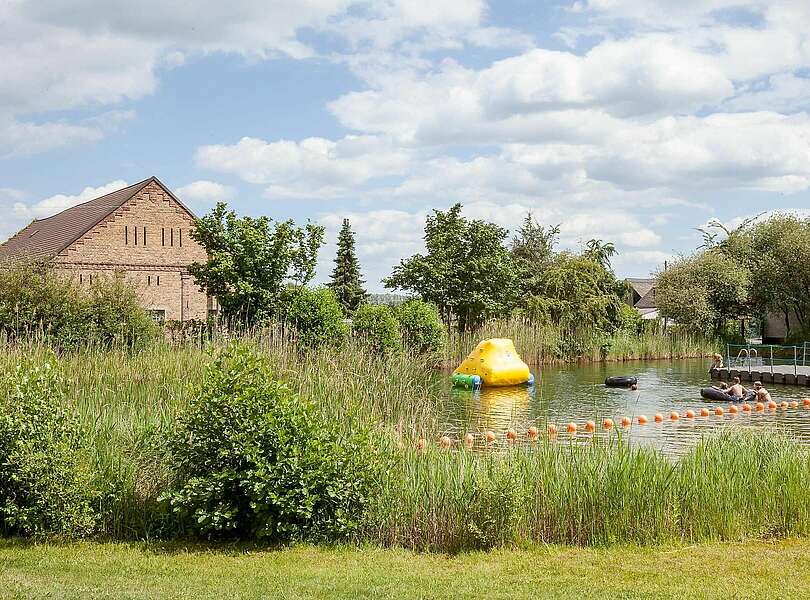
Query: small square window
{"x": 158, "y": 315}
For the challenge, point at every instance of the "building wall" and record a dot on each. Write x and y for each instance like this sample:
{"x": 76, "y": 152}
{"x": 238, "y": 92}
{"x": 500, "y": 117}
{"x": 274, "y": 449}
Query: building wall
{"x": 157, "y": 266}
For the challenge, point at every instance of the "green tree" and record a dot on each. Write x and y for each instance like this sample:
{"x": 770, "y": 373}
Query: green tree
{"x": 346, "y": 280}
{"x": 250, "y": 260}
{"x": 703, "y": 292}
{"x": 467, "y": 271}
{"x": 532, "y": 251}
{"x": 576, "y": 290}
{"x": 315, "y": 315}
{"x": 377, "y": 328}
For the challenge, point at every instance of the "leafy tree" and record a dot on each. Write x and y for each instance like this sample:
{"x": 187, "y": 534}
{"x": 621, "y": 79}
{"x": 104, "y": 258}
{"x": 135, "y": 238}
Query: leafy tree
{"x": 576, "y": 290}
{"x": 420, "y": 325}
{"x": 467, "y": 271}
{"x": 346, "y": 280}
{"x": 601, "y": 252}
{"x": 703, "y": 292}
{"x": 315, "y": 315}
{"x": 376, "y": 327}
{"x": 532, "y": 251}
{"x": 250, "y": 260}
{"x": 780, "y": 278}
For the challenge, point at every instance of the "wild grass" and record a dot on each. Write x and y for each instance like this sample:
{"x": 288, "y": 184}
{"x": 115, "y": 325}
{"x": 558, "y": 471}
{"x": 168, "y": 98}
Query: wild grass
{"x": 731, "y": 487}
{"x": 550, "y": 344}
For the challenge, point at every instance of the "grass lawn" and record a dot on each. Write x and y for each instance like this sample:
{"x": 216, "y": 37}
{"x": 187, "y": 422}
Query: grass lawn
{"x": 88, "y": 570}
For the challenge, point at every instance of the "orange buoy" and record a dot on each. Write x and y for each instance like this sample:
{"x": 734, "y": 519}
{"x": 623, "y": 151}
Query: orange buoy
{"x": 571, "y": 427}
{"x": 732, "y": 410}
{"x": 759, "y": 407}
{"x": 469, "y": 440}
{"x": 626, "y": 422}
{"x": 690, "y": 414}
{"x": 642, "y": 420}
{"x": 445, "y": 442}
{"x": 806, "y": 402}
{"x": 746, "y": 407}
{"x": 511, "y": 435}
{"x": 421, "y": 443}
{"x": 552, "y": 430}
{"x": 794, "y": 404}
{"x": 490, "y": 437}
{"x": 659, "y": 418}
{"x": 607, "y": 424}
{"x": 719, "y": 411}
{"x": 783, "y": 405}
{"x": 704, "y": 412}
{"x": 674, "y": 416}
{"x": 771, "y": 405}
{"x": 532, "y": 433}
{"x": 590, "y": 426}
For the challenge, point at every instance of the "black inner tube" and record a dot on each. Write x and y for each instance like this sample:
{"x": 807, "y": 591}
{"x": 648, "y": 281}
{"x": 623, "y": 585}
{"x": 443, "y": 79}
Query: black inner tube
{"x": 621, "y": 381}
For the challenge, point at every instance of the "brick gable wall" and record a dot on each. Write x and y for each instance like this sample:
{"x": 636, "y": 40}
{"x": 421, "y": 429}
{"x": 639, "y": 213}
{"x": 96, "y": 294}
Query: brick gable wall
{"x": 156, "y": 267}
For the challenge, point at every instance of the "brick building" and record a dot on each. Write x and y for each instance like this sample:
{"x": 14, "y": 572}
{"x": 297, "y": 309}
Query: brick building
{"x": 142, "y": 231}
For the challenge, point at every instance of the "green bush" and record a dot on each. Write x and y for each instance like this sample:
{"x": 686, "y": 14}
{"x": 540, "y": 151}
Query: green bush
{"x": 376, "y": 327}
{"x": 254, "y": 461}
{"x": 629, "y": 319}
{"x": 315, "y": 315}
{"x": 420, "y": 326}
{"x": 35, "y": 301}
{"x": 44, "y": 485}
{"x": 116, "y": 315}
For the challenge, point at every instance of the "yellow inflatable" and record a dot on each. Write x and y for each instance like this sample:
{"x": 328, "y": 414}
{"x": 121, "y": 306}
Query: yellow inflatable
{"x": 496, "y": 362}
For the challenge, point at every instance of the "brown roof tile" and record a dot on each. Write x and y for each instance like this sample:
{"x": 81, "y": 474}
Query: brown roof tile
{"x": 45, "y": 238}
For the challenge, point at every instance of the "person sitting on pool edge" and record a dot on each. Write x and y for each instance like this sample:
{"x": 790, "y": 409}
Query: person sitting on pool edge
{"x": 737, "y": 390}
{"x": 763, "y": 395}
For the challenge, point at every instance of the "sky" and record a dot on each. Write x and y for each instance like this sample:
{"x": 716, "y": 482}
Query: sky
{"x": 631, "y": 121}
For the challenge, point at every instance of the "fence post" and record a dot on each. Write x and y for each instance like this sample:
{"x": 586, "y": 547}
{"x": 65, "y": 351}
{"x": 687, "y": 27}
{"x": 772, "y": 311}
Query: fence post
{"x": 795, "y": 361}
{"x": 771, "y": 347}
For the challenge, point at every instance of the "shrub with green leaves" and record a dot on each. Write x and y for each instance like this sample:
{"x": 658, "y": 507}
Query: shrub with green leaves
{"x": 377, "y": 328}
{"x": 420, "y": 326}
{"x": 44, "y": 483}
{"x": 315, "y": 315}
{"x": 36, "y": 301}
{"x": 253, "y": 460}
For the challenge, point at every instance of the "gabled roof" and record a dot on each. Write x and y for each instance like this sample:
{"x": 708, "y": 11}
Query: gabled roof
{"x": 45, "y": 238}
{"x": 647, "y": 300}
{"x": 641, "y": 286}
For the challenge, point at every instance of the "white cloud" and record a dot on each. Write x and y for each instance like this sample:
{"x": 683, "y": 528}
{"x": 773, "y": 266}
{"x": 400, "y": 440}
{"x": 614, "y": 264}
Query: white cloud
{"x": 313, "y": 167}
{"x": 88, "y": 55}
{"x": 207, "y": 192}
{"x": 59, "y": 202}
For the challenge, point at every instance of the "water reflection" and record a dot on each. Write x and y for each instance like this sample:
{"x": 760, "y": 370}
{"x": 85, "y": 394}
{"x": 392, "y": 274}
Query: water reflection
{"x": 577, "y": 393}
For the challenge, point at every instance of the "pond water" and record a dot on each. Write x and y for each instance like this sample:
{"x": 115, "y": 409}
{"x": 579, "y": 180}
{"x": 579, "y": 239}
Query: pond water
{"x": 565, "y": 393}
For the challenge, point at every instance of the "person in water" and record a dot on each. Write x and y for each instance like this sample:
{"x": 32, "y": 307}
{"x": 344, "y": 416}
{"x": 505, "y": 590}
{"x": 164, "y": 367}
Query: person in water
{"x": 763, "y": 395}
{"x": 717, "y": 361}
{"x": 737, "y": 390}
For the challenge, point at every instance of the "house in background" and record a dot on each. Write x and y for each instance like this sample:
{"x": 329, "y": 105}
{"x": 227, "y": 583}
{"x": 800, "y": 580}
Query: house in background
{"x": 641, "y": 296}
{"x": 142, "y": 231}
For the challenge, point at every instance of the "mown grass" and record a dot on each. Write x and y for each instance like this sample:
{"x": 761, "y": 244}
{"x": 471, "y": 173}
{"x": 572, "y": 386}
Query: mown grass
{"x": 756, "y": 569}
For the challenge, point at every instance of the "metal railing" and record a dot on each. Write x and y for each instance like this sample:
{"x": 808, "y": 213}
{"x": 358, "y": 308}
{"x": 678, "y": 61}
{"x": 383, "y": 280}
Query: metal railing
{"x": 758, "y": 356}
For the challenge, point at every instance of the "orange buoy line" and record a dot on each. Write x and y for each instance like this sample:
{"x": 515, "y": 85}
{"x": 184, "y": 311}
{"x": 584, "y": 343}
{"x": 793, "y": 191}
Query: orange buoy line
{"x": 532, "y": 433}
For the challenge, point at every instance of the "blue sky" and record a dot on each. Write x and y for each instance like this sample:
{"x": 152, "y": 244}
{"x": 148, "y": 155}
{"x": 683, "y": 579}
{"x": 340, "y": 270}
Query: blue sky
{"x": 631, "y": 121}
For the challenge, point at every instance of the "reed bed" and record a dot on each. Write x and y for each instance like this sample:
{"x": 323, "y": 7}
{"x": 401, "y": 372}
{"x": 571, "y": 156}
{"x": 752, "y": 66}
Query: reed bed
{"x": 548, "y": 344}
{"x": 733, "y": 486}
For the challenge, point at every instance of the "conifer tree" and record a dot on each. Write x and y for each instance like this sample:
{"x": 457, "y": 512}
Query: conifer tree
{"x": 346, "y": 280}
